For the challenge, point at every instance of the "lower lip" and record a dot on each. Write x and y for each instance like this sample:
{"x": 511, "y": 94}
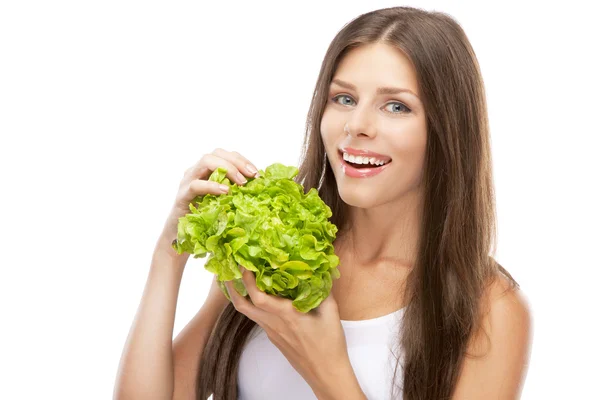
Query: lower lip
{"x": 352, "y": 172}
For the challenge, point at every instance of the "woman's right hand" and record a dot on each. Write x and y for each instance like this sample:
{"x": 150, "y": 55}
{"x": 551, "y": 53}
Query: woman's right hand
{"x": 194, "y": 183}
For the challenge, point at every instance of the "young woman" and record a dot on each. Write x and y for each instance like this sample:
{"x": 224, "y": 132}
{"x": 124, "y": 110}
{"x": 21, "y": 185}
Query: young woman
{"x": 397, "y": 143}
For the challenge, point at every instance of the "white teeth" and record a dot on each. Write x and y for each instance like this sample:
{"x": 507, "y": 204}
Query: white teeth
{"x": 362, "y": 160}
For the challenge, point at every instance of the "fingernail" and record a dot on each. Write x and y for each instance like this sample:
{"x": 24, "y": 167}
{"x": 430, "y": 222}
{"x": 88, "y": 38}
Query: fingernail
{"x": 251, "y": 169}
{"x": 241, "y": 178}
{"x": 224, "y": 188}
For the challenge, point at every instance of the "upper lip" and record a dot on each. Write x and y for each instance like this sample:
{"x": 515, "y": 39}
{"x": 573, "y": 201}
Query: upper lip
{"x": 367, "y": 153}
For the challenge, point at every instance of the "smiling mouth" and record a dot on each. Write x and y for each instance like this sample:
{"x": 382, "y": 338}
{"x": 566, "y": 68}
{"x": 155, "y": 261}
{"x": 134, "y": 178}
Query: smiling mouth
{"x": 360, "y": 166}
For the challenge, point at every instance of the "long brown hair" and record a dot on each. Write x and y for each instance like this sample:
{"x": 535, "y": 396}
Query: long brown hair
{"x": 455, "y": 259}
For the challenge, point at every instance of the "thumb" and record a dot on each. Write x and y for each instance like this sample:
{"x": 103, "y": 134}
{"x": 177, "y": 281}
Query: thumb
{"x": 329, "y": 305}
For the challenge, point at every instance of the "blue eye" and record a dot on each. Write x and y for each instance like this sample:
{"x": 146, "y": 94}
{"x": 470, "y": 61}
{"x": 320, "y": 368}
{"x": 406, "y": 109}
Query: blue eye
{"x": 339, "y": 95}
{"x": 402, "y": 108}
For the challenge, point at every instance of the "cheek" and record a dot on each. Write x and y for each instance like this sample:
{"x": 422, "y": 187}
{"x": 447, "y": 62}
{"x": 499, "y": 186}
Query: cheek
{"x": 410, "y": 140}
{"x": 328, "y": 129}
{"x": 325, "y": 127}
{"x": 410, "y": 145}
{"x": 411, "y": 150}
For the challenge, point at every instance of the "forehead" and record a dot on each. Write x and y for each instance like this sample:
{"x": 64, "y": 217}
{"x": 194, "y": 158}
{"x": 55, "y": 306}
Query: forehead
{"x": 375, "y": 65}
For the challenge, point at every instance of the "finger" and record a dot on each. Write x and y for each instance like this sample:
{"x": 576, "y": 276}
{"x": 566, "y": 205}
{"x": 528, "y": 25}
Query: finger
{"x": 210, "y": 162}
{"x": 199, "y": 187}
{"x": 244, "y": 306}
{"x": 272, "y": 304}
{"x": 328, "y": 306}
{"x": 242, "y": 163}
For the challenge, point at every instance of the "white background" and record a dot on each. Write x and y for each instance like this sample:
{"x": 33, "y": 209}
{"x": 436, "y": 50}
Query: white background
{"x": 103, "y": 105}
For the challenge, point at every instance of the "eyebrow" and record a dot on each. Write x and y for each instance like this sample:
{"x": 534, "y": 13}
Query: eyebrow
{"x": 381, "y": 90}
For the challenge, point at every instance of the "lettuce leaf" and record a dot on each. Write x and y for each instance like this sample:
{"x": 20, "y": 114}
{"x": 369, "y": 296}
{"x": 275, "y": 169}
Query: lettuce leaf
{"x": 270, "y": 227}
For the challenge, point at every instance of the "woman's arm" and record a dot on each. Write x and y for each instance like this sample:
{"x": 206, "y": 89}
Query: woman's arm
{"x": 191, "y": 341}
{"x": 146, "y": 366}
{"x": 500, "y": 373}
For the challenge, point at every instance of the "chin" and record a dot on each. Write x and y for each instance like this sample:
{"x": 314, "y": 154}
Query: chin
{"x": 359, "y": 198}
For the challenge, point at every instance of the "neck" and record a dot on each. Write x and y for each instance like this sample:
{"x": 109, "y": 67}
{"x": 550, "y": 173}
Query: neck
{"x": 388, "y": 233}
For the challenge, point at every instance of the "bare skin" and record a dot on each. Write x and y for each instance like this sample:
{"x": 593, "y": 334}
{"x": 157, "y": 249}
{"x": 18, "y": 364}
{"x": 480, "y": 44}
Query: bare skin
{"x": 385, "y": 212}
{"x": 153, "y": 365}
{"x": 385, "y": 209}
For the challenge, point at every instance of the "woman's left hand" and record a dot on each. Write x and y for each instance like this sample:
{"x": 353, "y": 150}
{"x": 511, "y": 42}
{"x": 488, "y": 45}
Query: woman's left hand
{"x": 314, "y": 343}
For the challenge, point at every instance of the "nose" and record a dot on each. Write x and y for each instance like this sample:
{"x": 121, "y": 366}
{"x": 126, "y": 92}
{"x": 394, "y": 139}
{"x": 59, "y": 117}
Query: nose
{"x": 360, "y": 124}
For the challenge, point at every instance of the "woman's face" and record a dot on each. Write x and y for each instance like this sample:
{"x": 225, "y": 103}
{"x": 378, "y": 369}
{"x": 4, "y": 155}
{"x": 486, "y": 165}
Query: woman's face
{"x": 391, "y": 124}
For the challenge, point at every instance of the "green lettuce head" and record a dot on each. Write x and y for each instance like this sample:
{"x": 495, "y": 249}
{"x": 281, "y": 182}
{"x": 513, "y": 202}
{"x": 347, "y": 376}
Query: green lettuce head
{"x": 268, "y": 226}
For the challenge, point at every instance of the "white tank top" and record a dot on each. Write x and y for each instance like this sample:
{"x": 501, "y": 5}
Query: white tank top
{"x": 373, "y": 347}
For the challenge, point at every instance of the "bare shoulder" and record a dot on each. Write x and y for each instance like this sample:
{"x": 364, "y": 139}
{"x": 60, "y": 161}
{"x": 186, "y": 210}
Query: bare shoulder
{"x": 501, "y": 287}
{"x": 509, "y": 314}
{"x": 498, "y": 355}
